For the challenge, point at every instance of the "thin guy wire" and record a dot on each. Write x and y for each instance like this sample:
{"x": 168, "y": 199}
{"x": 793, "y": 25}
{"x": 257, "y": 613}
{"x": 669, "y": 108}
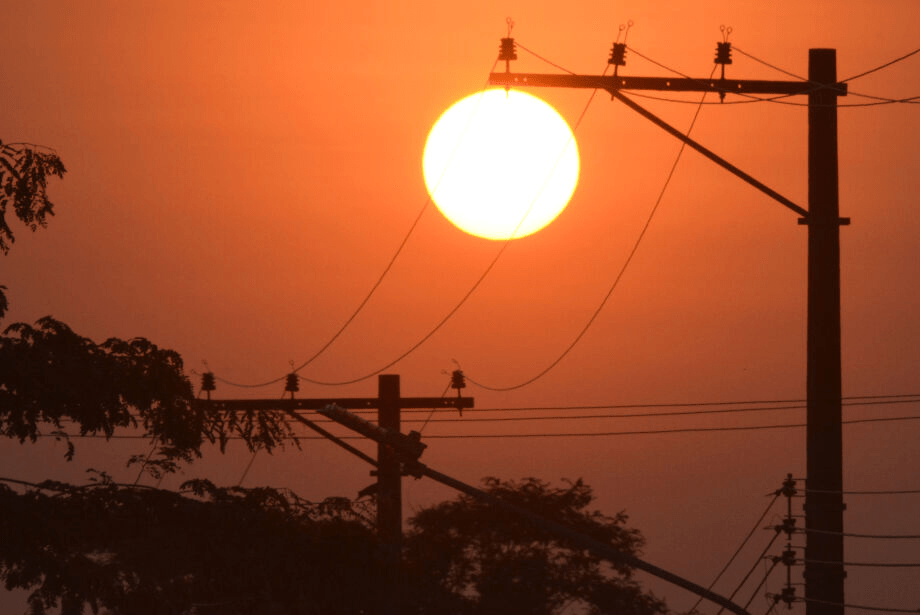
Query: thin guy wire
{"x": 737, "y": 551}
{"x": 360, "y": 307}
{"x": 616, "y": 280}
{"x": 759, "y": 585}
{"x": 751, "y": 571}
{"x": 431, "y": 413}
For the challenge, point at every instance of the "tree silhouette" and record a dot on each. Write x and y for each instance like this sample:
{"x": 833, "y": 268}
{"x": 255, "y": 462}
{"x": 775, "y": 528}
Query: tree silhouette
{"x": 473, "y": 558}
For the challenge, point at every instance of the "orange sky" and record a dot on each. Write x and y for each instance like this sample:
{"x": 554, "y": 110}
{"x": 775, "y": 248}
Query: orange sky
{"x": 240, "y": 173}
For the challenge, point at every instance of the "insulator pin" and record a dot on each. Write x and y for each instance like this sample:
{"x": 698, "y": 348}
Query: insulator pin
{"x": 207, "y": 382}
{"x": 723, "y": 53}
{"x": 508, "y": 50}
{"x": 292, "y": 384}
{"x": 618, "y": 55}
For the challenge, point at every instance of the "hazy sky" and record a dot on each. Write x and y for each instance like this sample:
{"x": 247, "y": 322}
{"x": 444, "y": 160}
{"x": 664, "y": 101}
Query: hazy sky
{"x": 240, "y": 174}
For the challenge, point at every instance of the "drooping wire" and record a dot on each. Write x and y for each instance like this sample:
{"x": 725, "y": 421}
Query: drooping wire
{"x": 470, "y": 292}
{"x": 616, "y": 280}
{"x": 738, "y": 550}
{"x": 883, "y": 99}
{"x": 885, "y": 65}
{"x": 367, "y": 297}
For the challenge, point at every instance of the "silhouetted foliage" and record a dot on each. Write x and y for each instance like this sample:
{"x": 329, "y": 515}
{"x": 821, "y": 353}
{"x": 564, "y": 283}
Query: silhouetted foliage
{"x": 470, "y": 557}
{"x": 50, "y": 376}
{"x": 24, "y": 172}
{"x": 144, "y": 551}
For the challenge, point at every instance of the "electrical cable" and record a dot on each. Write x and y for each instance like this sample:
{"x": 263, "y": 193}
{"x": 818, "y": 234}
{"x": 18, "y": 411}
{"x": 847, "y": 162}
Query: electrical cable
{"x": 753, "y": 568}
{"x": 852, "y": 535}
{"x": 857, "y": 606}
{"x": 886, "y": 100}
{"x": 880, "y": 67}
{"x": 760, "y": 585}
{"x": 462, "y": 301}
{"x": 367, "y": 297}
{"x": 879, "y": 492}
{"x": 773, "y": 99}
{"x": 561, "y": 435}
{"x": 864, "y": 564}
{"x": 616, "y": 280}
{"x": 738, "y": 550}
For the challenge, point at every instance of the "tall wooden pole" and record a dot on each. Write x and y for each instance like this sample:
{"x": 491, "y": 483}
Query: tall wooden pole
{"x": 824, "y": 506}
{"x": 389, "y": 492}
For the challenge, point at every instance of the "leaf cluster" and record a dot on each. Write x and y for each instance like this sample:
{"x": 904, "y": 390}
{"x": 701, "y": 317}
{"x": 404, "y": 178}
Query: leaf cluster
{"x": 24, "y": 172}
{"x": 51, "y": 376}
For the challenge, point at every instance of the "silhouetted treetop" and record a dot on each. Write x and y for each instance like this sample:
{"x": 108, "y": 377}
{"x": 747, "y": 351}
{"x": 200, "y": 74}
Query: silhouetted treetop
{"x": 476, "y": 558}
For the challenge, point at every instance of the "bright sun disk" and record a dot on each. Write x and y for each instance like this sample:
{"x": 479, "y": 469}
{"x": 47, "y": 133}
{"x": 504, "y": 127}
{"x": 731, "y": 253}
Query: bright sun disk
{"x": 501, "y": 164}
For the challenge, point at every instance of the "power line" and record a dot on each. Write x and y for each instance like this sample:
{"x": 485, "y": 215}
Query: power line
{"x": 885, "y": 65}
{"x": 858, "y": 606}
{"x": 361, "y": 305}
{"x": 557, "y": 434}
{"x": 852, "y": 535}
{"x": 619, "y": 275}
{"x": 865, "y": 564}
{"x": 753, "y": 568}
{"x": 737, "y": 551}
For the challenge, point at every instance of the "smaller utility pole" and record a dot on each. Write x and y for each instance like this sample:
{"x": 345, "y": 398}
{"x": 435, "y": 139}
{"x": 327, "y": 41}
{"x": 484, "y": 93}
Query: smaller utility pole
{"x": 389, "y": 405}
{"x": 389, "y": 492}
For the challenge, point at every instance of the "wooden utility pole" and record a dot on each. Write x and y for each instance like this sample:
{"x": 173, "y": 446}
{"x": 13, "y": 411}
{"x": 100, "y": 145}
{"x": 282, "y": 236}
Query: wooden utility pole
{"x": 824, "y": 594}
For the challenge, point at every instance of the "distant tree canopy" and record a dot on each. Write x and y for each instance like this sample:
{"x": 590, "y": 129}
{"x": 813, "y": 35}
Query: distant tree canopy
{"x": 474, "y": 558}
{"x": 129, "y": 550}
{"x": 24, "y": 172}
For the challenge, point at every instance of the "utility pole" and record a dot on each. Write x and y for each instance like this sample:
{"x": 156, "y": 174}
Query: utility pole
{"x": 824, "y": 592}
{"x": 390, "y": 467}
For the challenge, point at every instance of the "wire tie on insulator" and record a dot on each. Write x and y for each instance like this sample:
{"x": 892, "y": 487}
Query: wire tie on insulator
{"x": 292, "y": 384}
{"x": 208, "y": 383}
{"x": 457, "y": 381}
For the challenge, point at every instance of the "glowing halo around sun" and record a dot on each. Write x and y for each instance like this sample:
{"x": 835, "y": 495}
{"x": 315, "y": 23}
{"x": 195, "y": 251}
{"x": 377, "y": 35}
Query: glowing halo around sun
{"x": 501, "y": 165}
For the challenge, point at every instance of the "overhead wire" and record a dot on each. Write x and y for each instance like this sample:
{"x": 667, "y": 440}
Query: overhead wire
{"x": 738, "y": 550}
{"x": 857, "y": 606}
{"x": 616, "y": 280}
{"x": 361, "y": 305}
{"x": 466, "y": 296}
{"x": 752, "y": 570}
{"x": 682, "y": 430}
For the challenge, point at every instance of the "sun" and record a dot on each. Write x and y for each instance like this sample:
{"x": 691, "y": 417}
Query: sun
{"x": 501, "y": 164}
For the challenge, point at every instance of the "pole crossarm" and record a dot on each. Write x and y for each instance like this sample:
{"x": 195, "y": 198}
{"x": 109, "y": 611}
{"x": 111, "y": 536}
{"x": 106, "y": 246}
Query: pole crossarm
{"x": 614, "y": 83}
{"x": 355, "y": 403}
